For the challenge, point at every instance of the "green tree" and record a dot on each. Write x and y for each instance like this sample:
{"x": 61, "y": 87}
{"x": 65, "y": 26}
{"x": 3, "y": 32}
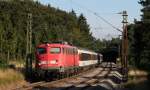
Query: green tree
{"x": 139, "y": 37}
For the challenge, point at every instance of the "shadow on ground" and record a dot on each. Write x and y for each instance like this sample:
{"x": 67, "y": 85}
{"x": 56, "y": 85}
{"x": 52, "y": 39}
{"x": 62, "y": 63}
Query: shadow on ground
{"x": 73, "y": 88}
{"x": 139, "y": 83}
{"x": 102, "y": 84}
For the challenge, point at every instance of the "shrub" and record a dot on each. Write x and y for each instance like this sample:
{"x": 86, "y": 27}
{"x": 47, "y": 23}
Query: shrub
{"x": 3, "y": 64}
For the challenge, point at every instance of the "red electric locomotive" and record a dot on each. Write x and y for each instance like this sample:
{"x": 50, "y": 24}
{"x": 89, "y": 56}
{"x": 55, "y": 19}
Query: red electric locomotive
{"x": 56, "y": 58}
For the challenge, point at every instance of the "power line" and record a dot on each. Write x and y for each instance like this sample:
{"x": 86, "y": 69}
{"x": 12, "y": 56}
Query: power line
{"x": 107, "y": 22}
{"x": 96, "y": 14}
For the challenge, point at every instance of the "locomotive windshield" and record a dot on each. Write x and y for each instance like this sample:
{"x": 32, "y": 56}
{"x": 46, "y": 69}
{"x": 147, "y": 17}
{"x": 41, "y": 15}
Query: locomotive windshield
{"x": 55, "y": 50}
{"x": 41, "y": 50}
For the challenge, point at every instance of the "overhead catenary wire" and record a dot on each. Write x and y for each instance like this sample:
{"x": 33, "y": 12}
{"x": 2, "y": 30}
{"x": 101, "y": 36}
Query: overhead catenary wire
{"x": 107, "y": 22}
{"x": 97, "y": 15}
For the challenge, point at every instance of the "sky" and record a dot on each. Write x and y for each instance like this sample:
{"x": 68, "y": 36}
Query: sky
{"x": 108, "y": 9}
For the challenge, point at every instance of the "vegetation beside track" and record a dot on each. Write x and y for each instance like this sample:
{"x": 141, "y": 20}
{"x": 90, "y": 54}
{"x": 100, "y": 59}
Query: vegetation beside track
{"x": 10, "y": 78}
{"x": 137, "y": 80}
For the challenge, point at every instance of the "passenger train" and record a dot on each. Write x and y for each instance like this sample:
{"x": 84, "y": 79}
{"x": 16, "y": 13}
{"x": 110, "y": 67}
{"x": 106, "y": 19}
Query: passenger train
{"x": 61, "y": 59}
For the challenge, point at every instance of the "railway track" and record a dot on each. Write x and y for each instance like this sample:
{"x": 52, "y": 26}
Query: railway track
{"x": 86, "y": 84}
{"x": 44, "y": 83}
{"x": 83, "y": 81}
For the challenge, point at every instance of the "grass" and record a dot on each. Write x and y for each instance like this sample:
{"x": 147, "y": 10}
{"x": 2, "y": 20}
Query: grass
{"x": 9, "y": 76}
{"x": 138, "y": 80}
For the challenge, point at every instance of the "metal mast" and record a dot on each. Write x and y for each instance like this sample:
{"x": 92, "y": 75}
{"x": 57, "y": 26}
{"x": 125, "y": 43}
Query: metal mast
{"x": 29, "y": 45}
{"x": 124, "y": 52}
{"x": 29, "y": 35}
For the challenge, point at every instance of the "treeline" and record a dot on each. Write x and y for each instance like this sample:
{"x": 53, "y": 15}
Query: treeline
{"x": 48, "y": 24}
{"x": 139, "y": 38}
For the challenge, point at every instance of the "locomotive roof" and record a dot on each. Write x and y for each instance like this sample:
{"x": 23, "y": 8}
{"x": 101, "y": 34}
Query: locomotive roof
{"x": 54, "y": 44}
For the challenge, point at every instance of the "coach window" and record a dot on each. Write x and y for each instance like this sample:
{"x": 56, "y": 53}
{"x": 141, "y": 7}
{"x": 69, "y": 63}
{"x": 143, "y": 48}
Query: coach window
{"x": 89, "y": 56}
{"x": 85, "y": 56}
{"x": 55, "y": 50}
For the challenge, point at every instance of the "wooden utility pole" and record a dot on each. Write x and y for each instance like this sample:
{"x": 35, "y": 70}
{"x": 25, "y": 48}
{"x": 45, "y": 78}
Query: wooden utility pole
{"x": 124, "y": 57}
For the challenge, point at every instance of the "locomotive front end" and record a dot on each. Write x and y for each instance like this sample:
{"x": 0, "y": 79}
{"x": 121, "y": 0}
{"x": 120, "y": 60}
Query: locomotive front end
{"x": 48, "y": 59}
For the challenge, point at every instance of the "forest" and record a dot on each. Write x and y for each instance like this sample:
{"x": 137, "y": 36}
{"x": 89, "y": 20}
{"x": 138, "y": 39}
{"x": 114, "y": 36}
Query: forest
{"x": 48, "y": 24}
{"x": 139, "y": 38}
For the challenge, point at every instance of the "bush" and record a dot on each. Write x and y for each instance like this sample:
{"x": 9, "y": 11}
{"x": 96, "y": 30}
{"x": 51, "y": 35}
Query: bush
{"x": 3, "y": 64}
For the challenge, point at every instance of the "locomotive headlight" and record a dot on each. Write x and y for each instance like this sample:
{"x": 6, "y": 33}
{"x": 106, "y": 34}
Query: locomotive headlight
{"x": 42, "y": 62}
{"x": 53, "y": 62}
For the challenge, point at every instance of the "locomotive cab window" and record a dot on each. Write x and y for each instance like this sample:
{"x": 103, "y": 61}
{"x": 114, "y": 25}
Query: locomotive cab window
{"x": 55, "y": 50}
{"x": 41, "y": 50}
